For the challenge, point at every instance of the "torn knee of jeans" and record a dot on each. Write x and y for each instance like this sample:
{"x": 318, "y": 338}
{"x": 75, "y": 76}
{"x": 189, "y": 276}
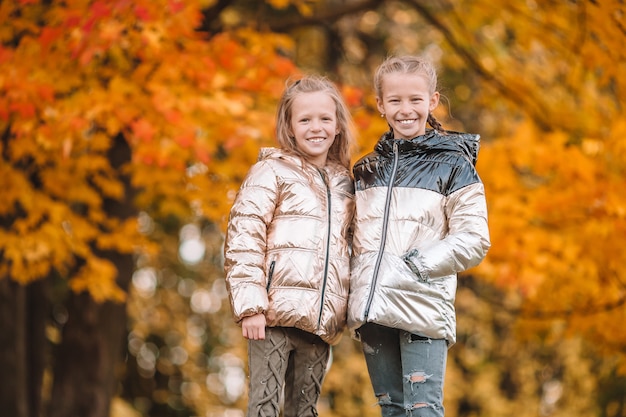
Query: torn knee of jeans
{"x": 384, "y": 399}
{"x": 418, "y": 405}
{"x": 417, "y": 377}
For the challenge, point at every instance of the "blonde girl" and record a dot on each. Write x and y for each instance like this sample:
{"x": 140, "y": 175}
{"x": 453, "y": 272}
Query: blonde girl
{"x": 286, "y": 250}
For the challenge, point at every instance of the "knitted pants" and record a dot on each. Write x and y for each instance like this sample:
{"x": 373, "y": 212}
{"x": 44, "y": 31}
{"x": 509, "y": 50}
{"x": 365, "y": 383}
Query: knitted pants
{"x": 289, "y": 359}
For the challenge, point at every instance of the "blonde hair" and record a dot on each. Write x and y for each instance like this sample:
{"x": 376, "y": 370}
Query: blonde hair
{"x": 344, "y": 140}
{"x": 409, "y": 64}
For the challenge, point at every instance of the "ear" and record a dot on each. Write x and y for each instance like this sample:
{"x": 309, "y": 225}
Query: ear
{"x": 434, "y": 101}
{"x": 379, "y": 105}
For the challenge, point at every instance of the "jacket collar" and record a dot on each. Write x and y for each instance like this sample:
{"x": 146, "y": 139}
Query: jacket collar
{"x": 432, "y": 141}
{"x": 268, "y": 153}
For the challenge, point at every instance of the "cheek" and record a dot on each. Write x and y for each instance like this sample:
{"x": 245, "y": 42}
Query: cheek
{"x": 295, "y": 131}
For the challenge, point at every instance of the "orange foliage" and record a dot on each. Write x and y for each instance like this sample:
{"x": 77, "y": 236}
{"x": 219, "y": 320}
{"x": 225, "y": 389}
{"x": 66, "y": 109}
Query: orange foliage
{"x": 77, "y": 77}
{"x": 557, "y": 220}
{"x": 193, "y": 111}
{"x": 552, "y": 91}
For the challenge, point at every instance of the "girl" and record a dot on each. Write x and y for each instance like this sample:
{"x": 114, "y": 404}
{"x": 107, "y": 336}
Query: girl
{"x": 421, "y": 218}
{"x": 286, "y": 250}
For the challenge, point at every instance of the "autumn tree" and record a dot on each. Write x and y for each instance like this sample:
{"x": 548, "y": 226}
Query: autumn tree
{"x": 542, "y": 84}
{"x": 506, "y": 74}
{"x": 109, "y": 110}
{"x": 125, "y": 125}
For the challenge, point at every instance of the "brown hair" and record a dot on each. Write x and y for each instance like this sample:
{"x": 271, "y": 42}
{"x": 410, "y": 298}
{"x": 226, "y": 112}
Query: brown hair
{"x": 344, "y": 140}
{"x": 409, "y": 64}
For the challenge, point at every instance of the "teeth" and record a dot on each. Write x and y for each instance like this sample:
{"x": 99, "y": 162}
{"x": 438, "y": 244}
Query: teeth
{"x": 316, "y": 140}
{"x": 406, "y": 122}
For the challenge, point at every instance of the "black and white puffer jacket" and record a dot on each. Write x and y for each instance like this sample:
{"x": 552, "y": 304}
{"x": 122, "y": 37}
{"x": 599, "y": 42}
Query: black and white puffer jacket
{"x": 421, "y": 218}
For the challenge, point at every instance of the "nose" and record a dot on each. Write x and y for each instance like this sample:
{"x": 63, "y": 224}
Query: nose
{"x": 316, "y": 125}
{"x": 405, "y": 107}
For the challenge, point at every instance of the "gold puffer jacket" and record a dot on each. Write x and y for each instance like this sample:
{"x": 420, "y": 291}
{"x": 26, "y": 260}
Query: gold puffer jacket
{"x": 421, "y": 218}
{"x": 287, "y": 244}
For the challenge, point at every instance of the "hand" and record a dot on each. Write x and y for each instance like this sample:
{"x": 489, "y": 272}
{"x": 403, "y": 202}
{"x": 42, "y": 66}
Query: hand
{"x": 253, "y": 327}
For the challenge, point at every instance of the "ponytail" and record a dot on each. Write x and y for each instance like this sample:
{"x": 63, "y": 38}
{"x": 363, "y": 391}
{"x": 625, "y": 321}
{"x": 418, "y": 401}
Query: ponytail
{"x": 434, "y": 123}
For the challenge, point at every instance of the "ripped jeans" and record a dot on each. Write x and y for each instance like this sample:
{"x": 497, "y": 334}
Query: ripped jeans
{"x": 406, "y": 371}
{"x": 287, "y": 359}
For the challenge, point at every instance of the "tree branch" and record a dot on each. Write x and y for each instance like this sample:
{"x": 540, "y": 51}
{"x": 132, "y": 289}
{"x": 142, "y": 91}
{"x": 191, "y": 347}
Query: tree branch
{"x": 533, "y": 108}
{"x": 211, "y": 14}
{"x": 324, "y": 17}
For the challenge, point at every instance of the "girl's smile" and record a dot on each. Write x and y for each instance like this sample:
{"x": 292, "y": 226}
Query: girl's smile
{"x": 406, "y": 103}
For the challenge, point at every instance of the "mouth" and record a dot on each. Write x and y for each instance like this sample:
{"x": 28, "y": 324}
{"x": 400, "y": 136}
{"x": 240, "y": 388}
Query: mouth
{"x": 316, "y": 140}
{"x": 407, "y": 121}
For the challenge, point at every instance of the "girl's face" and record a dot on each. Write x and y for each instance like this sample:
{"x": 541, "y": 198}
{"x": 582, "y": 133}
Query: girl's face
{"x": 314, "y": 125}
{"x": 406, "y": 102}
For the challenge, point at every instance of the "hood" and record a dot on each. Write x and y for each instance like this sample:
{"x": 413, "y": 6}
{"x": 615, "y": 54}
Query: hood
{"x": 277, "y": 153}
{"x": 268, "y": 153}
{"x": 467, "y": 144}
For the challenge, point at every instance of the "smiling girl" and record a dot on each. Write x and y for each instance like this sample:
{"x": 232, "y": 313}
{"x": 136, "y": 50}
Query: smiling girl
{"x": 421, "y": 218}
{"x": 286, "y": 250}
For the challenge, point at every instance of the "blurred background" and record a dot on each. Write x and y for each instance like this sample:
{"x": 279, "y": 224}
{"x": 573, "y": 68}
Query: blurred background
{"x": 126, "y": 128}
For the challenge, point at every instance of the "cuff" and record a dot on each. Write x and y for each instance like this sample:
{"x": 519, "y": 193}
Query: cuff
{"x": 408, "y": 260}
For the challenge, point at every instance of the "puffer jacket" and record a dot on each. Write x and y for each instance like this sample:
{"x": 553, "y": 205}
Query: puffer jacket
{"x": 287, "y": 244}
{"x": 421, "y": 217}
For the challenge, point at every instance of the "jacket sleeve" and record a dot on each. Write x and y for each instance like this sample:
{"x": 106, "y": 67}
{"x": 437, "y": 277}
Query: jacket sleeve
{"x": 246, "y": 241}
{"x": 467, "y": 241}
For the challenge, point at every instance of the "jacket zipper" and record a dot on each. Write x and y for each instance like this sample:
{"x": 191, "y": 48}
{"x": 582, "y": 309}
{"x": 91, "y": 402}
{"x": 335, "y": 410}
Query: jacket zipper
{"x": 270, "y": 275}
{"x": 328, "y": 229}
{"x": 383, "y": 238}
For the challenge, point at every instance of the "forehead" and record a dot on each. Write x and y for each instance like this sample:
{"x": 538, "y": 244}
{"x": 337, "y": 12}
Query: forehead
{"x": 315, "y": 102}
{"x": 396, "y": 82}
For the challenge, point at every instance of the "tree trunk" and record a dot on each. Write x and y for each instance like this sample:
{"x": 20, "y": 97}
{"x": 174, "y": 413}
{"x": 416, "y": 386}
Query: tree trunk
{"x": 38, "y": 308}
{"x": 13, "y": 391}
{"x": 85, "y": 378}
{"x": 90, "y": 353}
{"x": 23, "y": 344}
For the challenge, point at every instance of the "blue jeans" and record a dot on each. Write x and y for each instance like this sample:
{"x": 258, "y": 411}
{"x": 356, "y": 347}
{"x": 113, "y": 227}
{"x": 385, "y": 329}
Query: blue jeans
{"x": 406, "y": 371}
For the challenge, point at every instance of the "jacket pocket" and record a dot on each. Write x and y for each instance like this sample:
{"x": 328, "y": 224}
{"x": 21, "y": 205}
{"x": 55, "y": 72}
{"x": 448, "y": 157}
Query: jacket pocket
{"x": 270, "y": 274}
